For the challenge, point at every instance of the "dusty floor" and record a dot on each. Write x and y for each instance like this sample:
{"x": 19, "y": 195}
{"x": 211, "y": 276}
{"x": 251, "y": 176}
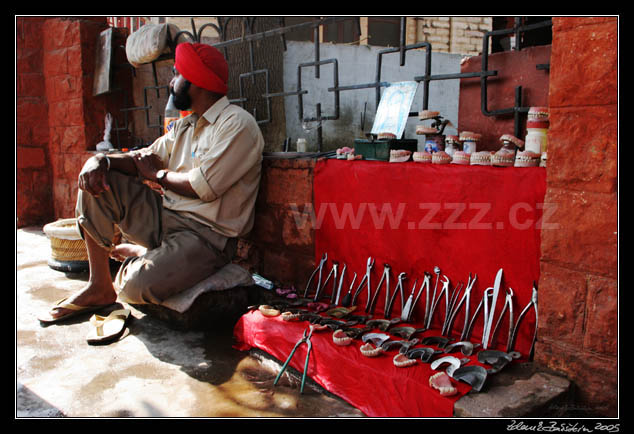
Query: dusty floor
{"x": 154, "y": 371}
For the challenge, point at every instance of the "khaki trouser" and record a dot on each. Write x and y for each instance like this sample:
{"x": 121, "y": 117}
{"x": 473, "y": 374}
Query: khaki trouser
{"x": 181, "y": 251}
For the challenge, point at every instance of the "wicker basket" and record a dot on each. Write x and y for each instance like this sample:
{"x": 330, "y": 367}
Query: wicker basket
{"x": 68, "y": 250}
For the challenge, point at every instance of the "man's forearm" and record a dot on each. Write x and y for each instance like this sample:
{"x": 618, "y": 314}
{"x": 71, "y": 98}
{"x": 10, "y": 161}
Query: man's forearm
{"x": 178, "y": 183}
{"x": 122, "y": 163}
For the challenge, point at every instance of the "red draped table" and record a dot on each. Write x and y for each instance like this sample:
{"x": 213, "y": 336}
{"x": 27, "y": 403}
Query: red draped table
{"x": 463, "y": 219}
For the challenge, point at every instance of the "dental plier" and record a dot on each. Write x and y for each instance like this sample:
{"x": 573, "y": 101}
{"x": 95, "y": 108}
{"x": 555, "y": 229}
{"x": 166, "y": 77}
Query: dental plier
{"x": 369, "y": 308}
{"x": 305, "y": 339}
{"x": 366, "y": 281}
{"x": 319, "y": 269}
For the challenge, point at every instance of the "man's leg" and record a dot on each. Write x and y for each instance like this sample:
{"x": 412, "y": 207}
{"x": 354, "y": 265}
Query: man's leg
{"x": 99, "y": 290}
{"x": 185, "y": 257}
{"x": 131, "y": 205}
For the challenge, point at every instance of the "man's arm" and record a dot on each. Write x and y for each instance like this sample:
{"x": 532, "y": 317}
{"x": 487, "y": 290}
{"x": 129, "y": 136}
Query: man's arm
{"x": 149, "y": 165}
{"x": 92, "y": 177}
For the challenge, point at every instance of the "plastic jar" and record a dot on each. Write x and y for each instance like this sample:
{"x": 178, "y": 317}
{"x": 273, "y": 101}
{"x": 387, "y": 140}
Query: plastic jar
{"x": 536, "y": 136}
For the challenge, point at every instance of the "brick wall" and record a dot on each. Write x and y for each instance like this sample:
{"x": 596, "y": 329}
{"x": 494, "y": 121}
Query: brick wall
{"x": 59, "y": 121}
{"x": 34, "y": 193}
{"x": 462, "y": 35}
{"x": 578, "y": 291}
{"x": 281, "y": 244}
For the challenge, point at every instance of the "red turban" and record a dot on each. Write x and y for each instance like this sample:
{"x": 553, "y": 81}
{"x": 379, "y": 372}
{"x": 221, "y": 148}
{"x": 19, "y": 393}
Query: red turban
{"x": 203, "y": 65}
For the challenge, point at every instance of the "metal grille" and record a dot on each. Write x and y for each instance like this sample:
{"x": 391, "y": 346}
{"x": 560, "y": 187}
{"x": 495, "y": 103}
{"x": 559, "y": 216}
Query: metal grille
{"x": 249, "y": 37}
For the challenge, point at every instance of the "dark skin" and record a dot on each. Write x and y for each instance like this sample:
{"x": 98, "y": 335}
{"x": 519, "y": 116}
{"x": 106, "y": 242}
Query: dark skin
{"x": 92, "y": 179}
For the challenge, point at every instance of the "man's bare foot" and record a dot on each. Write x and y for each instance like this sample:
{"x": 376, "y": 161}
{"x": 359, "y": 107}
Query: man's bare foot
{"x": 125, "y": 250}
{"x": 90, "y": 296}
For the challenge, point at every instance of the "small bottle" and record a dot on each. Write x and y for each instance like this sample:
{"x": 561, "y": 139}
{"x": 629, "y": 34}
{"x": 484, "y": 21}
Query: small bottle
{"x": 172, "y": 114}
{"x": 301, "y": 145}
{"x": 536, "y": 136}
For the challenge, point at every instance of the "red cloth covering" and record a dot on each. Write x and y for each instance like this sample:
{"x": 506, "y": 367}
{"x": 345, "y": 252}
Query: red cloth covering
{"x": 372, "y": 384}
{"x": 464, "y": 219}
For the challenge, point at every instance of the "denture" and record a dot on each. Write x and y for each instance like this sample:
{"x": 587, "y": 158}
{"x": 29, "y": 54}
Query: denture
{"x": 290, "y": 316}
{"x": 505, "y": 157}
{"x": 422, "y": 129}
{"x": 399, "y": 155}
{"x": 339, "y": 337}
{"x": 343, "y": 153}
{"x": 527, "y": 159}
{"x": 482, "y": 158}
{"x": 441, "y": 382}
{"x": 440, "y": 157}
{"x": 386, "y": 136}
{"x": 369, "y": 350}
{"x": 267, "y": 310}
{"x": 402, "y": 361}
{"x": 538, "y": 114}
{"x": 422, "y": 157}
{"x": 461, "y": 157}
{"x": 427, "y": 114}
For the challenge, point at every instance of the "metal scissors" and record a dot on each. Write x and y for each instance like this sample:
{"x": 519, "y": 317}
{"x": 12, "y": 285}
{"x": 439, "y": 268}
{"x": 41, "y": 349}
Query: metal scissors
{"x": 305, "y": 339}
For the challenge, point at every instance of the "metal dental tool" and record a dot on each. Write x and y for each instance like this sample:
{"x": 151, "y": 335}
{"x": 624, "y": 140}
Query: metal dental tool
{"x": 424, "y": 286}
{"x": 427, "y": 313}
{"x": 347, "y": 299}
{"x": 366, "y": 280}
{"x": 384, "y": 278}
{"x": 446, "y": 327}
{"x": 489, "y": 318}
{"x": 304, "y": 340}
{"x": 467, "y": 298}
{"x": 397, "y": 290}
{"x": 407, "y": 309}
{"x": 508, "y": 305}
{"x": 467, "y": 335}
{"x": 338, "y": 294}
{"x": 435, "y": 302}
{"x": 533, "y": 303}
{"x": 319, "y": 269}
{"x": 333, "y": 272}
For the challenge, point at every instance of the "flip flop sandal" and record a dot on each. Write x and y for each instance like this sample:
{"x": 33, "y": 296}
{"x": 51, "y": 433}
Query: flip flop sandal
{"x": 107, "y": 328}
{"x": 74, "y": 310}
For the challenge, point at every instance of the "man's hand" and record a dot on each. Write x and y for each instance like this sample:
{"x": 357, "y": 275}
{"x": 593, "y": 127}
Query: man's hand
{"x": 147, "y": 164}
{"x": 92, "y": 177}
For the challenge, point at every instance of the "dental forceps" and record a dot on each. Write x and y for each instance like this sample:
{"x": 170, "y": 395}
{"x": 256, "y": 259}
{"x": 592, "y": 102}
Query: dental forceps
{"x": 425, "y": 287}
{"x": 365, "y": 280}
{"x": 335, "y": 297}
{"x": 508, "y": 304}
{"x": 369, "y": 308}
{"x": 319, "y": 269}
{"x": 445, "y": 289}
{"x": 333, "y": 271}
{"x": 305, "y": 339}
{"x": 533, "y": 303}
{"x": 398, "y": 290}
{"x": 347, "y": 299}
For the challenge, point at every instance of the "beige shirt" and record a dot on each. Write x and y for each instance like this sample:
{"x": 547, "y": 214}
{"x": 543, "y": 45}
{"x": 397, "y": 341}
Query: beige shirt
{"x": 222, "y": 153}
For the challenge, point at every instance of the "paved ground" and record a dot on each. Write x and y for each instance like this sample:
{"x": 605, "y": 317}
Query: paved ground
{"x": 154, "y": 371}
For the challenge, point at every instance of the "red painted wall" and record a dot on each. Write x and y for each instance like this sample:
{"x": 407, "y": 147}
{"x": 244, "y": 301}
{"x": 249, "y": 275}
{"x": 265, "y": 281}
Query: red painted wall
{"x": 578, "y": 292}
{"x": 515, "y": 68}
{"x": 58, "y": 120}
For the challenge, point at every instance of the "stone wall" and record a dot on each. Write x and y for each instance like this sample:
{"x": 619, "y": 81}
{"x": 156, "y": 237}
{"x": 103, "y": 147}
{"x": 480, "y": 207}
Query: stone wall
{"x": 462, "y": 35}
{"x": 578, "y": 291}
{"x": 281, "y": 245}
{"x": 59, "y": 121}
{"x": 34, "y": 191}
